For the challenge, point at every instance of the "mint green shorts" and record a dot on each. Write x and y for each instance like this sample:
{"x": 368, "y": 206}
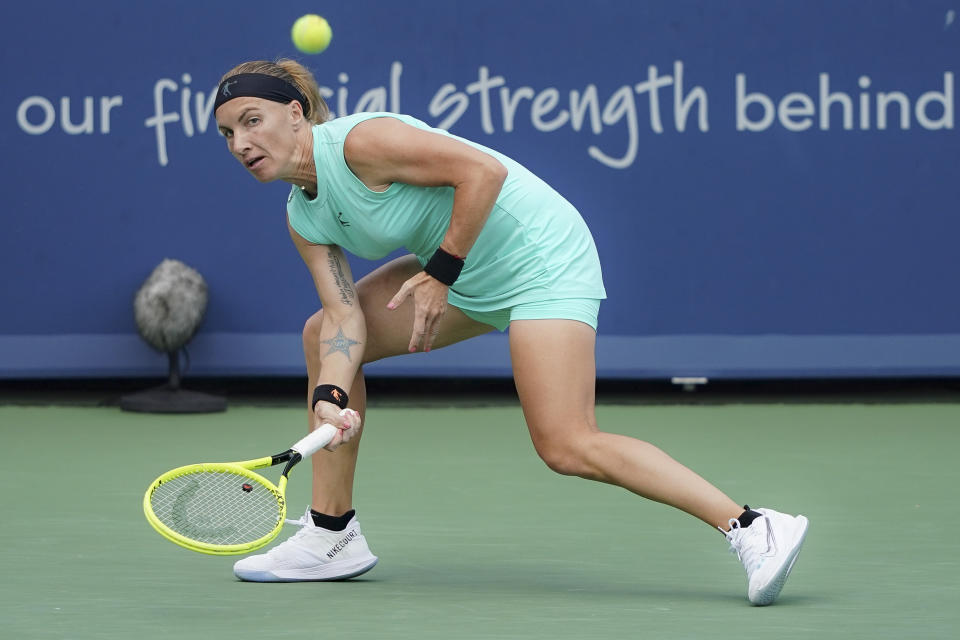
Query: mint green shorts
{"x": 585, "y": 310}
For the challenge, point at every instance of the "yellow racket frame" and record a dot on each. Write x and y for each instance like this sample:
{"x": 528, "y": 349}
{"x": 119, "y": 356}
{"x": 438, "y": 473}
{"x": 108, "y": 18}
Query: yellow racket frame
{"x": 302, "y": 449}
{"x": 244, "y": 469}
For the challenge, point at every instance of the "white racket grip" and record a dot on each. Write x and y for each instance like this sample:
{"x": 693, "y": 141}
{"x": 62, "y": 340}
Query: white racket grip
{"x": 315, "y": 440}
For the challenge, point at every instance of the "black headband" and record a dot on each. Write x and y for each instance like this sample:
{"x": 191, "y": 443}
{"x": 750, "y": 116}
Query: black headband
{"x": 258, "y": 85}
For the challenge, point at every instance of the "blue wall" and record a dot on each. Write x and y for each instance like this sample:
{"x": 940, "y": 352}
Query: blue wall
{"x": 772, "y": 186}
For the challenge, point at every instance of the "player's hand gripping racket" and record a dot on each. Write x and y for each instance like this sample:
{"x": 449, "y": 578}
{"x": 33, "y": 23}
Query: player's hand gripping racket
{"x": 225, "y": 508}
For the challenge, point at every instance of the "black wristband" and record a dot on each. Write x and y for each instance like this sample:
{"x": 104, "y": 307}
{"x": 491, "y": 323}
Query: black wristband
{"x": 444, "y": 267}
{"x": 330, "y": 393}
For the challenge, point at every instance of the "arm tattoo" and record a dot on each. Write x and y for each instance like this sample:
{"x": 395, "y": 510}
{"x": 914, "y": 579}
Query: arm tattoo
{"x": 347, "y": 294}
{"x": 340, "y": 343}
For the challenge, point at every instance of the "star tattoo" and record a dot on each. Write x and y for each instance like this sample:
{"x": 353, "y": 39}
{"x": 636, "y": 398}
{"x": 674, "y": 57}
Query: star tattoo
{"x": 340, "y": 343}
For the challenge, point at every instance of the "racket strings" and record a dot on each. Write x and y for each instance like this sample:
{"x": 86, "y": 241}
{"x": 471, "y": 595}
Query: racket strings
{"x": 217, "y": 507}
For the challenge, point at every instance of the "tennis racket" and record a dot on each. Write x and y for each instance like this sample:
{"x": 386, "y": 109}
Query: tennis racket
{"x": 226, "y": 508}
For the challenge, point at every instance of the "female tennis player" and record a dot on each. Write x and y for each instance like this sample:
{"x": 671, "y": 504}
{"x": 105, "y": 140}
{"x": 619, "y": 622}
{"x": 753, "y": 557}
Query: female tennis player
{"x": 491, "y": 246}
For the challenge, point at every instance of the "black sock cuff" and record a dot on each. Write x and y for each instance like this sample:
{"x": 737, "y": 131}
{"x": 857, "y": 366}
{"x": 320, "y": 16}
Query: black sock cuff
{"x": 747, "y": 517}
{"x": 332, "y": 523}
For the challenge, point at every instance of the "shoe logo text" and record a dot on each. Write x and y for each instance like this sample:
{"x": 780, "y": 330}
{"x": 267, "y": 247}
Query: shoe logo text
{"x": 344, "y": 541}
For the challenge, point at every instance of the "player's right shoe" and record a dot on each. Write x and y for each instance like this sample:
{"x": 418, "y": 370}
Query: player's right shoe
{"x": 311, "y": 554}
{"x": 768, "y": 549}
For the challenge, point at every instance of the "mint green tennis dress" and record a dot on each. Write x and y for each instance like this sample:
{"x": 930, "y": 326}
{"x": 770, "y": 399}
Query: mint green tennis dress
{"x": 534, "y": 252}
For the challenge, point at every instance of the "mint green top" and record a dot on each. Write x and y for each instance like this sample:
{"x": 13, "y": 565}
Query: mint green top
{"x": 533, "y": 247}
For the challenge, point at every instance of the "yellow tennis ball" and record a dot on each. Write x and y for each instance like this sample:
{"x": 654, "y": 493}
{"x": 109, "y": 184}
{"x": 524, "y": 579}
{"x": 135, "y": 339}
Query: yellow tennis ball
{"x": 311, "y": 33}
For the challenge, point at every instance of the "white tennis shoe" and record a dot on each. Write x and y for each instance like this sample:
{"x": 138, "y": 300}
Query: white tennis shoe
{"x": 768, "y": 549}
{"x": 311, "y": 554}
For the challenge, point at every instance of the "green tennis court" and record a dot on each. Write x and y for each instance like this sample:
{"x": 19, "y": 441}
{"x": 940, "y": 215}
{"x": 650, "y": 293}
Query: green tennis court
{"x": 478, "y": 539}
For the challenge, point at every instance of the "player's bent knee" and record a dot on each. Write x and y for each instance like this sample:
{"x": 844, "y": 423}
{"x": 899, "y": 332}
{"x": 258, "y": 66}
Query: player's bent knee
{"x": 311, "y": 330}
{"x": 563, "y": 457}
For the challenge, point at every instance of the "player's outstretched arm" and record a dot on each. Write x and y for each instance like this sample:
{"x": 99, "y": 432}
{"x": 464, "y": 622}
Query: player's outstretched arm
{"x": 382, "y": 151}
{"x": 343, "y": 332}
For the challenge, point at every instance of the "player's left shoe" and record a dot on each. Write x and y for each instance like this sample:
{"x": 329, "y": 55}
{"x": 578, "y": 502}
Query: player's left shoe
{"x": 768, "y": 549}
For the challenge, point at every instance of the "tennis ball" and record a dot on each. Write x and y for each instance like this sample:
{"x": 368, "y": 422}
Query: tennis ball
{"x": 311, "y": 33}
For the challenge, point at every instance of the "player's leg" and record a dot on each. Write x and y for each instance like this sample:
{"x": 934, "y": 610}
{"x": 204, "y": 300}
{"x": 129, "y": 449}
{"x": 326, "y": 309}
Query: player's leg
{"x": 330, "y": 544}
{"x": 553, "y": 364}
{"x": 332, "y": 471}
{"x": 388, "y": 334}
{"x": 555, "y": 374}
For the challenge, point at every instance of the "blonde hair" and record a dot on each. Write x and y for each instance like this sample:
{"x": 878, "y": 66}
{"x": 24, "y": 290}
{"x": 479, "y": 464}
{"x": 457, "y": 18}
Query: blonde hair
{"x": 296, "y": 74}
